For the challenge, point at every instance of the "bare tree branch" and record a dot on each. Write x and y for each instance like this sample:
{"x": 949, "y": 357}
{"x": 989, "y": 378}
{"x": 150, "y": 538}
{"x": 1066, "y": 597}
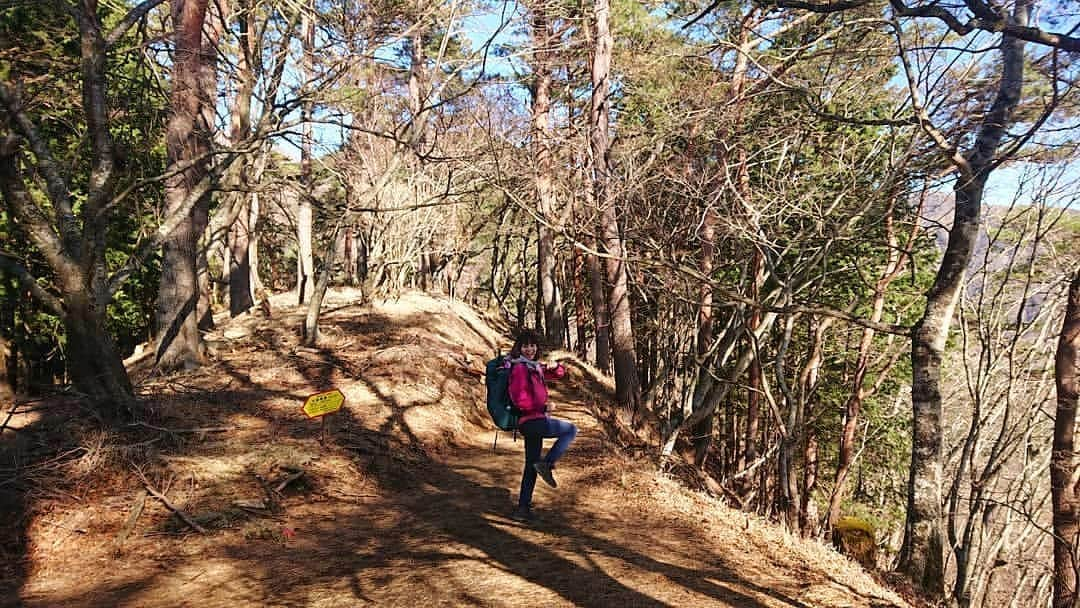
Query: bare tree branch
{"x": 10, "y": 262}
{"x": 55, "y": 184}
{"x": 133, "y": 16}
{"x": 984, "y": 18}
{"x": 33, "y": 219}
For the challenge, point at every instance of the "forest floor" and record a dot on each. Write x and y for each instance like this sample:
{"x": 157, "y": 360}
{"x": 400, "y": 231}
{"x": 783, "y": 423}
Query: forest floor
{"x": 400, "y": 501}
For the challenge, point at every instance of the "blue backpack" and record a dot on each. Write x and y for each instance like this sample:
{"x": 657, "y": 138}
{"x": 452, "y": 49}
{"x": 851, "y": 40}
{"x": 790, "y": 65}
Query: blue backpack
{"x": 502, "y": 410}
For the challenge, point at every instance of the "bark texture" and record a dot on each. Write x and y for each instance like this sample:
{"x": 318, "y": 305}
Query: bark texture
{"x": 1064, "y": 477}
{"x": 241, "y": 292}
{"x": 305, "y": 258}
{"x": 627, "y": 385}
{"x": 187, "y": 141}
{"x": 550, "y": 298}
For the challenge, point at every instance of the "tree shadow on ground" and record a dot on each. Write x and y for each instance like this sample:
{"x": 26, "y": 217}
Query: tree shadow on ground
{"x": 435, "y": 518}
{"x": 429, "y": 532}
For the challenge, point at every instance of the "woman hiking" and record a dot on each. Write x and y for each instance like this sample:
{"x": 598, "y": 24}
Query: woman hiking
{"x": 528, "y": 391}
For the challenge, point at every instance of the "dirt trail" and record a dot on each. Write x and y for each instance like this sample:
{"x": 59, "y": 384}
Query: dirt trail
{"x": 378, "y": 521}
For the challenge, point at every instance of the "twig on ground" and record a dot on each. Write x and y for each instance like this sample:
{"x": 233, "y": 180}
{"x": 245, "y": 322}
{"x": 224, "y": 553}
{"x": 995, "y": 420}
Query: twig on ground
{"x": 271, "y": 495}
{"x": 141, "y": 444}
{"x": 136, "y": 510}
{"x": 10, "y": 415}
{"x": 288, "y": 480}
{"x": 63, "y": 527}
{"x": 54, "y": 492}
{"x": 165, "y": 501}
{"x": 250, "y": 504}
{"x": 205, "y": 429}
{"x": 340, "y": 494}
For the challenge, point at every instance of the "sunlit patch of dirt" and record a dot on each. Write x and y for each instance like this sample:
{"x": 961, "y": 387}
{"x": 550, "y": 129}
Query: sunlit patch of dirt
{"x": 400, "y": 499}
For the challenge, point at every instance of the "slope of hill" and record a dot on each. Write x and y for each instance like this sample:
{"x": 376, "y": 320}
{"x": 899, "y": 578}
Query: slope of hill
{"x": 401, "y": 500}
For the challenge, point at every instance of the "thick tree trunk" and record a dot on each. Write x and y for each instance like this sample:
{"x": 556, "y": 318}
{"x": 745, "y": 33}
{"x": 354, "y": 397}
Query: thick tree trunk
{"x": 96, "y": 368}
{"x": 627, "y": 385}
{"x": 601, "y": 315}
{"x": 187, "y": 143}
{"x": 922, "y": 555}
{"x": 549, "y": 296}
{"x": 1064, "y": 477}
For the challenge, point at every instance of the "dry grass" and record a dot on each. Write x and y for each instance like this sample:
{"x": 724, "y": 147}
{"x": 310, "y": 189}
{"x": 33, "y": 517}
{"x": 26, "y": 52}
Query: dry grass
{"x": 402, "y": 500}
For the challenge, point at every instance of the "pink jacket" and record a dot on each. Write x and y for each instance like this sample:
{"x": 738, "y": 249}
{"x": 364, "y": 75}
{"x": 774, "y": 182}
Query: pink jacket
{"x": 528, "y": 391}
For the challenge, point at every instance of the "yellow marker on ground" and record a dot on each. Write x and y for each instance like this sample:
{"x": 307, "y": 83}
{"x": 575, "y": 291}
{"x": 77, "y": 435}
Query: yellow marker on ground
{"x": 321, "y": 404}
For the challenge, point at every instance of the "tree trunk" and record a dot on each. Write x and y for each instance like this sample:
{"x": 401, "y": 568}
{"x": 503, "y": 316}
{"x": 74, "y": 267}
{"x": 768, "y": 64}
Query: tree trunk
{"x": 7, "y": 360}
{"x": 350, "y": 255}
{"x": 96, "y": 367}
{"x": 703, "y": 433}
{"x": 627, "y": 385}
{"x": 753, "y": 400}
{"x": 204, "y": 309}
{"x": 787, "y": 491}
{"x": 922, "y": 555}
{"x": 808, "y": 510}
{"x": 1064, "y": 478}
{"x": 310, "y": 336}
{"x": 241, "y": 294}
{"x": 580, "y": 299}
{"x": 853, "y": 407}
{"x": 418, "y": 92}
{"x": 305, "y": 259}
{"x": 215, "y": 24}
{"x": 76, "y": 257}
{"x": 795, "y": 501}
{"x": 895, "y": 263}
{"x": 549, "y": 296}
{"x": 187, "y": 143}
{"x": 601, "y": 318}
{"x": 253, "y": 244}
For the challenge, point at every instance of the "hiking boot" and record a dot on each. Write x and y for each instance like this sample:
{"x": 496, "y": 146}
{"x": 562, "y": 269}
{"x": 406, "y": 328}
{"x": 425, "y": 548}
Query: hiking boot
{"x": 543, "y": 469}
{"x": 523, "y": 514}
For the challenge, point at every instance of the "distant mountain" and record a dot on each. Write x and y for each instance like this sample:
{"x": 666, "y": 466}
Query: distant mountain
{"x": 1007, "y": 238}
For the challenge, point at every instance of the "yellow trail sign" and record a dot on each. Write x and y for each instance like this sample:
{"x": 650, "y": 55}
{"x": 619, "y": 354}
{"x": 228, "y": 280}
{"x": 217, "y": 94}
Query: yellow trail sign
{"x": 321, "y": 404}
